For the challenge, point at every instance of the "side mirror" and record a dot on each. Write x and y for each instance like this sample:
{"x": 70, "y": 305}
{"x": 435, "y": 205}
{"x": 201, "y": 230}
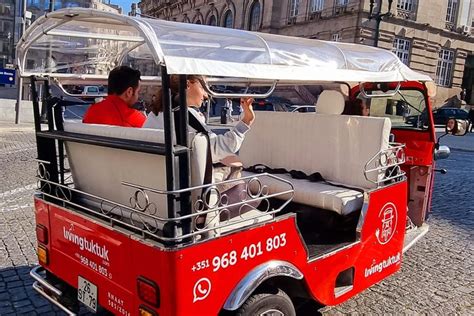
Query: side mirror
{"x": 442, "y": 152}
{"x": 456, "y": 127}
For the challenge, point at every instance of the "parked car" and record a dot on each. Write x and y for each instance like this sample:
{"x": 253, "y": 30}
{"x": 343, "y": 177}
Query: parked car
{"x": 303, "y": 108}
{"x": 272, "y": 104}
{"x": 440, "y": 116}
{"x": 418, "y": 120}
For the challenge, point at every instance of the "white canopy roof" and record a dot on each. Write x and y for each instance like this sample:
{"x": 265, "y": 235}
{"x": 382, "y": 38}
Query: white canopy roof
{"x": 87, "y": 41}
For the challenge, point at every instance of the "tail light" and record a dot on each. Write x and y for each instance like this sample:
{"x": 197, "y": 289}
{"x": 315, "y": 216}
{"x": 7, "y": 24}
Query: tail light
{"x": 42, "y": 254}
{"x": 261, "y": 103}
{"x": 42, "y": 234}
{"x": 148, "y": 291}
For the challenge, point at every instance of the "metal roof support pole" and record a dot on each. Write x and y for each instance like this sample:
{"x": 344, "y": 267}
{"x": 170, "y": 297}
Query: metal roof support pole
{"x": 170, "y": 228}
{"x": 20, "y": 79}
{"x": 46, "y": 148}
{"x": 184, "y": 163}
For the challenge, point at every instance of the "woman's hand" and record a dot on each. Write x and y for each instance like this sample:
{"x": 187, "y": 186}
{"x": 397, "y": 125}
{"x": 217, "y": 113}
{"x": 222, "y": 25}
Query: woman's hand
{"x": 249, "y": 115}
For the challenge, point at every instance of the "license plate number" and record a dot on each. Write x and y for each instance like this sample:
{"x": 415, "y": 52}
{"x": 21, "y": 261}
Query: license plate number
{"x": 87, "y": 293}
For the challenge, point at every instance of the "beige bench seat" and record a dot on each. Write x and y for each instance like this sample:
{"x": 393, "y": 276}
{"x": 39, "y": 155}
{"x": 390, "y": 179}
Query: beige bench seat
{"x": 100, "y": 171}
{"x": 320, "y": 194}
{"x": 336, "y": 146}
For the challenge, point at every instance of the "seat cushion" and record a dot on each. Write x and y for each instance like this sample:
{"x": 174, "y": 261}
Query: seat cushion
{"x": 318, "y": 194}
{"x": 249, "y": 218}
{"x": 337, "y": 146}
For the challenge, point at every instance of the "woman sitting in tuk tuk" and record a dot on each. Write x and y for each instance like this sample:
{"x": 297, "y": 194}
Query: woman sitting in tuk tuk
{"x": 222, "y": 146}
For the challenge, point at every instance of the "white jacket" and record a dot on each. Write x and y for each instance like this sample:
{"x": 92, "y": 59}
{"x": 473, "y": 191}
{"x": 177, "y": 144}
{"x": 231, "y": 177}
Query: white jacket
{"x": 222, "y": 145}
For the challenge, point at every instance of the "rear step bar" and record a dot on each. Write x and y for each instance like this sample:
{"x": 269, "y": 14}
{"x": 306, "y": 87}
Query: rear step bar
{"x": 47, "y": 290}
{"x": 413, "y": 235}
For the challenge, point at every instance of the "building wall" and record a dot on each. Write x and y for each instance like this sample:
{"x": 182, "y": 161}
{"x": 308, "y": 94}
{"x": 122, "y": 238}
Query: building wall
{"x": 7, "y": 33}
{"x": 423, "y": 24}
{"x": 426, "y": 29}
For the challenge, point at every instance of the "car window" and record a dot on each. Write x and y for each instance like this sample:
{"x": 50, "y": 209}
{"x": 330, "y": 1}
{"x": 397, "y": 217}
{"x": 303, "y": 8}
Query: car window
{"x": 93, "y": 89}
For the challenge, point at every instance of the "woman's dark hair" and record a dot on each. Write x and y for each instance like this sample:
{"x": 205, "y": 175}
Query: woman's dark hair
{"x": 455, "y": 129}
{"x": 121, "y": 78}
{"x": 157, "y": 106}
{"x": 353, "y": 107}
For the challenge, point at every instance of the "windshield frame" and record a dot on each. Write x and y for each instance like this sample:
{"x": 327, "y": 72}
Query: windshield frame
{"x": 407, "y": 85}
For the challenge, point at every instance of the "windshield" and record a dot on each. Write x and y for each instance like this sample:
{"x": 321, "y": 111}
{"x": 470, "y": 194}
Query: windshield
{"x": 406, "y": 109}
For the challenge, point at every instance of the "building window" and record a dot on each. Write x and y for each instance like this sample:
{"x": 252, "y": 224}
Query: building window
{"x": 444, "y": 69}
{"x": 406, "y": 9}
{"x": 294, "y": 4}
{"x": 254, "y": 21}
{"x": 30, "y": 64}
{"x": 336, "y": 37}
{"x": 341, "y": 3}
{"x": 7, "y": 28}
{"x": 316, "y": 6}
{"x": 401, "y": 48}
{"x": 212, "y": 20}
{"x": 406, "y": 5}
{"x": 5, "y": 9}
{"x": 452, "y": 11}
{"x": 229, "y": 19}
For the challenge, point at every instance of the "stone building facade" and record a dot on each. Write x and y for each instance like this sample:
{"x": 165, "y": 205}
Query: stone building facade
{"x": 42, "y": 58}
{"x": 433, "y": 37}
{"x": 7, "y": 22}
{"x": 37, "y": 8}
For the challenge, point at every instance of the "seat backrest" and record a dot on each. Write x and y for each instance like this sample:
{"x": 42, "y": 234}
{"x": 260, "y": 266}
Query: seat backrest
{"x": 330, "y": 102}
{"x": 337, "y": 146}
{"x": 101, "y": 170}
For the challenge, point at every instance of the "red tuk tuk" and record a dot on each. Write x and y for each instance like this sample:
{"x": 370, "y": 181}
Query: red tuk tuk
{"x": 116, "y": 208}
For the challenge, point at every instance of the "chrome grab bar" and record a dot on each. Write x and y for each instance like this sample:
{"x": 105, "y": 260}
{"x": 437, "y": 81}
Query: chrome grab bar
{"x": 240, "y": 95}
{"x": 391, "y": 158}
{"x": 383, "y": 95}
{"x": 41, "y": 284}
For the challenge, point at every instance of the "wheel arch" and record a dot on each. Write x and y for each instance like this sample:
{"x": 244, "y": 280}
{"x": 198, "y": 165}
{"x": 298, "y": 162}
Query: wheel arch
{"x": 268, "y": 273}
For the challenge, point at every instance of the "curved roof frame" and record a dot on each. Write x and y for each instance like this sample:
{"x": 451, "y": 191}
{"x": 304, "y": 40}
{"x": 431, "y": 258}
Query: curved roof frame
{"x": 222, "y": 52}
{"x": 67, "y": 15}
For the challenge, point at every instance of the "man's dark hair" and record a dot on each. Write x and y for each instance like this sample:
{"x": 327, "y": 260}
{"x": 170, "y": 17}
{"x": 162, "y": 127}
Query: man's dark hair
{"x": 121, "y": 78}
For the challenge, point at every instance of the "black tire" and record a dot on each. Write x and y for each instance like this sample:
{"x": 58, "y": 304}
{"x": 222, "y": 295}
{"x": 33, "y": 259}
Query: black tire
{"x": 258, "y": 304}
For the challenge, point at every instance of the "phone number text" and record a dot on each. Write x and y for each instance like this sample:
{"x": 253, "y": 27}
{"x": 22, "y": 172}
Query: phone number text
{"x": 231, "y": 258}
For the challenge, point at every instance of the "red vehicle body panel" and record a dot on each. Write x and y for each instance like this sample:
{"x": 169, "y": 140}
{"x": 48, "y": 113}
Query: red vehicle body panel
{"x": 113, "y": 259}
{"x": 419, "y": 145}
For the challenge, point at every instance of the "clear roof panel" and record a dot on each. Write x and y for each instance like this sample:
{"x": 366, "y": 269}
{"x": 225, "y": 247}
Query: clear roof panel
{"x": 78, "y": 47}
{"x": 209, "y": 43}
{"x": 100, "y": 40}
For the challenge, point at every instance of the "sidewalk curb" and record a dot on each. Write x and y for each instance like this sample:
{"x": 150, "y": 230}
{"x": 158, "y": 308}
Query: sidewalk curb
{"x": 462, "y": 149}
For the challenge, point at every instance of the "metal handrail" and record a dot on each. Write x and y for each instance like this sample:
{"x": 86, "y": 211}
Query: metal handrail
{"x": 240, "y": 95}
{"x": 390, "y": 158}
{"x": 41, "y": 283}
{"x": 383, "y": 95}
{"x": 139, "y": 213}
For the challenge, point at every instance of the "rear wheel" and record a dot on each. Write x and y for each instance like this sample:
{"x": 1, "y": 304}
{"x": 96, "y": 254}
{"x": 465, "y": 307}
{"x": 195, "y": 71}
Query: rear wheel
{"x": 267, "y": 304}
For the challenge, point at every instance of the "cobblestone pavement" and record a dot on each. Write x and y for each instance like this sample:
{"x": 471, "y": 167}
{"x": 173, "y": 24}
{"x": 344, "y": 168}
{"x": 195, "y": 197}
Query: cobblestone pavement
{"x": 436, "y": 276}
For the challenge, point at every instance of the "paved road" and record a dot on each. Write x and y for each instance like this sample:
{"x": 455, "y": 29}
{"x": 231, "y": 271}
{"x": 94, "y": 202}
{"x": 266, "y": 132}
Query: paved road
{"x": 436, "y": 277}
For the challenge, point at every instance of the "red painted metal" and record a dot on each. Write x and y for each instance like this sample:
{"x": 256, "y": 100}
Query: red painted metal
{"x": 113, "y": 261}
